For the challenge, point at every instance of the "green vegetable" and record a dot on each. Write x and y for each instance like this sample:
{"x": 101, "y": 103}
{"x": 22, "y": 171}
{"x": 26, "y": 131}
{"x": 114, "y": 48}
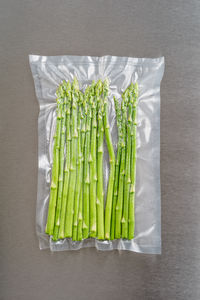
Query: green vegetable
{"x": 79, "y": 171}
{"x": 67, "y": 88}
{"x": 100, "y": 136}
{"x": 93, "y": 167}
{"x": 61, "y": 167}
{"x": 55, "y": 170}
{"x": 127, "y": 170}
{"x": 111, "y": 152}
{"x": 72, "y": 182}
{"x": 83, "y": 130}
{"x": 119, "y": 204}
{"x": 131, "y": 225}
{"x": 117, "y": 166}
{"x": 86, "y": 190}
{"x": 76, "y": 205}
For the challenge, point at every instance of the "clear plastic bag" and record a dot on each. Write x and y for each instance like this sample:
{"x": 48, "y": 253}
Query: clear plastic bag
{"x": 48, "y": 72}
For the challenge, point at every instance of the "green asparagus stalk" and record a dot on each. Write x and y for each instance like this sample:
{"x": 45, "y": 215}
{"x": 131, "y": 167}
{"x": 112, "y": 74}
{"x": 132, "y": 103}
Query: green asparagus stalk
{"x": 80, "y": 213}
{"x": 86, "y": 190}
{"x": 111, "y": 152}
{"x": 100, "y": 136}
{"x": 61, "y": 167}
{"x": 93, "y": 167}
{"x": 79, "y": 171}
{"x": 127, "y": 171}
{"x": 67, "y": 88}
{"x": 72, "y": 181}
{"x": 83, "y": 130}
{"x": 55, "y": 170}
{"x": 117, "y": 166}
{"x": 131, "y": 225}
{"x": 119, "y": 204}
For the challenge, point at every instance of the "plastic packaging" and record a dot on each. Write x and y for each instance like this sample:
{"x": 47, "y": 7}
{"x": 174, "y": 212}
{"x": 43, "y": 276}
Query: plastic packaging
{"x": 48, "y": 72}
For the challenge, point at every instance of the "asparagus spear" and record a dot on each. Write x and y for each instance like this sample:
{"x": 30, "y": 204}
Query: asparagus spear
{"x": 67, "y": 88}
{"x": 131, "y": 225}
{"x": 127, "y": 169}
{"x": 79, "y": 171}
{"x": 55, "y": 169}
{"x": 80, "y": 214}
{"x": 117, "y": 166}
{"x": 119, "y": 205}
{"x": 93, "y": 166}
{"x": 100, "y": 136}
{"x": 72, "y": 181}
{"x": 111, "y": 152}
{"x": 61, "y": 167}
{"x": 86, "y": 190}
{"x": 83, "y": 129}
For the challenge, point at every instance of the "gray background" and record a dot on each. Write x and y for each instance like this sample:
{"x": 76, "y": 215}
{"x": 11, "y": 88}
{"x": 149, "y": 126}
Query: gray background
{"x": 127, "y": 28}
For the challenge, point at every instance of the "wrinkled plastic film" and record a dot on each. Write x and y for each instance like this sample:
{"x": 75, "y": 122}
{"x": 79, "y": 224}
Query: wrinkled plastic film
{"x": 48, "y": 72}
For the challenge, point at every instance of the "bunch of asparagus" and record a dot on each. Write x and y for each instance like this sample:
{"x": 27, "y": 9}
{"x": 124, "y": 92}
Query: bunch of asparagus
{"x": 76, "y": 205}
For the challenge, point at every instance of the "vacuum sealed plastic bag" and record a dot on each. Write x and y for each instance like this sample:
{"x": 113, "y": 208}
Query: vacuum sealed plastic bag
{"x": 99, "y": 152}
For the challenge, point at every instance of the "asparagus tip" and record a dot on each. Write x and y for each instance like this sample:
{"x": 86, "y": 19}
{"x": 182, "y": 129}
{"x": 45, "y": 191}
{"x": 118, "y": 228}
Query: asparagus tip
{"x": 136, "y": 89}
{"x": 105, "y": 88}
{"x": 75, "y": 84}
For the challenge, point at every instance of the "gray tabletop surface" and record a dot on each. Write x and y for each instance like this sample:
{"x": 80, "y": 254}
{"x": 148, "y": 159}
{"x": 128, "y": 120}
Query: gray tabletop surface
{"x": 126, "y": 28}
